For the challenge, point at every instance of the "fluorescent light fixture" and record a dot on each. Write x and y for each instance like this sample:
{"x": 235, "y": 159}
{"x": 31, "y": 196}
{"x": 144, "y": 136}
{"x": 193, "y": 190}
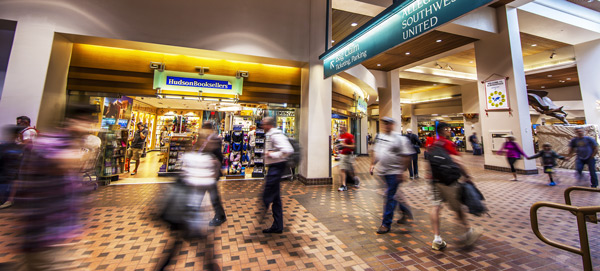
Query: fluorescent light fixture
{"x": 226, "y": 103}
{"x": 407, "y": 53}
{"x": 438, "y": 41}
{"x": 228, "y": 100}
{"x": 231, "y": 108}
{"x": 332, "y": 41}
{"x": 534, "y": 45}
{"x": 210, "y": 99}
{"x": 192, "y": 98}
{"x": 378, "y": 65}
{"x": 444, "y": 73}
{"x": 353, "y": 24}
{"x": 173, "y": 97}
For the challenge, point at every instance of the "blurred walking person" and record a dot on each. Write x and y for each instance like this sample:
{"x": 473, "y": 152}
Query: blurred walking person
{"x": 277, "y": 149}
{"x": 182, "y": 209}
{"x": 392, "y": 155}
{"x": 413, "y": 167}
{"x": 11, "y": 154}
{"x": 50, "y": 184}
{"x": 586, "y": 148}
{"x": 513, "y": 153}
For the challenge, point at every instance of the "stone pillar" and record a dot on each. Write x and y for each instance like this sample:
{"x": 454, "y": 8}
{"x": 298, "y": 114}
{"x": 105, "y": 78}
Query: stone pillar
{"x": 471, "y": 116}
{"x": 315, "y": 122}
{"x": 501, "y": 54}
{"x": 588, "y": 57}
{"x": 26, "y": 71}
{"x": 389, "y": 98}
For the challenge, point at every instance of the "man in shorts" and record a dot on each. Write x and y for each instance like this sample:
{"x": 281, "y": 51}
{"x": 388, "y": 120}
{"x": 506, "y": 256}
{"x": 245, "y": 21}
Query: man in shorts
{"x": 137, "y": 144}
{"x": 346, "y": 150}
{"x": 441, "y": 192}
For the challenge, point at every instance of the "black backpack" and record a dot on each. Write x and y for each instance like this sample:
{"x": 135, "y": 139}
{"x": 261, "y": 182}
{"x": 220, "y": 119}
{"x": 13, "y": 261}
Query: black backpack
{"x": 294, "y": 158}
{"x": 443, "y": 169}
{"x": 473, "y": 199}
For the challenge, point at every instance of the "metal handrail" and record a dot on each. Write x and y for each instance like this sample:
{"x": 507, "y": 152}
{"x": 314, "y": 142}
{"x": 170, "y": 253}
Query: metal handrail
{"x": 591, "y": 218}
{"x": 581, "y": 213}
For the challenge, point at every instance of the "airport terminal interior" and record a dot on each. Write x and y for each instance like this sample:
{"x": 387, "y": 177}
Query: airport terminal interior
{"x": 111, "y": 100}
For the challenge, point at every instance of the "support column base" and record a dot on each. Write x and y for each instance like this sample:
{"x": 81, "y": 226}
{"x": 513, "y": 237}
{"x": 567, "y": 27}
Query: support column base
{"x": 315, "y": 181}
{"x": 507, "y": 169}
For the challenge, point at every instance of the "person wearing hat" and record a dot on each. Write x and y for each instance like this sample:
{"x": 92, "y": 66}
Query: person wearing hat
{"x": 137, "y": 144}
{"x": 391, "y": 155}
{"x": 413, "y": 168}
{"x": 548, "y": 160}
{"x": 513, "y": 153}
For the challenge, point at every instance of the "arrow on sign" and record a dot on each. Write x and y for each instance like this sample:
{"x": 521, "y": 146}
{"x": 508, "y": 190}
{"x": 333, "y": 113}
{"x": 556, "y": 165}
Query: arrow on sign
{"x": 331, "y": 66}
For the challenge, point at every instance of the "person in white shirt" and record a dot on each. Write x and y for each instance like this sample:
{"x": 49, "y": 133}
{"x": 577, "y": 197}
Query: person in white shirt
{"x": 392, "y": 155}
{"x": 278, "y": 148}
{"x": 29, "y": 133}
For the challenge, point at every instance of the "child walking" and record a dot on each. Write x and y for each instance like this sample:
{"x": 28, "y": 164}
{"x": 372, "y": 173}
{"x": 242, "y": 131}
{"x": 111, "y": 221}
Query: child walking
{"x": 548, "y": 160}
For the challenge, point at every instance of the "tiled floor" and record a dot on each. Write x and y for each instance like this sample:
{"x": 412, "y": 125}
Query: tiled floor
{"x": 327, "y": 229}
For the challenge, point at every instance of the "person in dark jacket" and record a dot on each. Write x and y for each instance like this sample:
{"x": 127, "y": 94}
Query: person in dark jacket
{"x": 548, "y": 160}
{"x": 413, "y": 168}
{"x": 214, "y": 140}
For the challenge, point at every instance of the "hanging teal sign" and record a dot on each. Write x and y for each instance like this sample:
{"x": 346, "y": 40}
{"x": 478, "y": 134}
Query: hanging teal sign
{"x": 397, "y": 24}
{"x": 183, "y": 82}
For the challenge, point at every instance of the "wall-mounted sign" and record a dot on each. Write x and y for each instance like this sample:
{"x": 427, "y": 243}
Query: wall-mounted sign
{"x": 399, "y": 23}
{"x": 496, "y": 95}
{"x": 183, "y": 82}
{"x": 361, "y": 105}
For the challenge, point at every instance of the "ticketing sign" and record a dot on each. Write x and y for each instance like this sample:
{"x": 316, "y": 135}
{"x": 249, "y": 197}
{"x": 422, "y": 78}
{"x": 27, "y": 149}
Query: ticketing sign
{"x": 397, "y": 24}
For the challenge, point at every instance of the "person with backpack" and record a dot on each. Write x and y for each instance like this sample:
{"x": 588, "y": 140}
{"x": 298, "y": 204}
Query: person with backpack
{"x": 11, "y": 154}
{"x": 513, "y": 153}
{"x": 548, "y": 160}
{"x": 277, "y": 151}
{"x": 391, "y": 155}
{"x": 413, "y": 168}
{"x": 446, "y": 167}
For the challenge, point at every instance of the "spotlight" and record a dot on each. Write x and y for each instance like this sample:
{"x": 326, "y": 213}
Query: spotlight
{"x": 437, "y": 65}
{"x": 552, "y": 55}
{"x": 448, "y": 67}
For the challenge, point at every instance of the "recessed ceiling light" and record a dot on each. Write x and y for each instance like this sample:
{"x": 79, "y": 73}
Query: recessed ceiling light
{"x": 561, "y": 81}
{"x": 435, "y": 84}
{"x": 534, "y": 45}
{"x": 353, "y": 24}
{"x": 526, "y": 85}
{"x": 332, "y": 41}
{"x": 407, "y": 53}
{"x": 378, "y": 65}
{"x": 569, "y": 78}
{"x": 438, "y": 41}
{"x": 471, "y": 61}
{"x": 549, "y": 75}
{"x": 543, "y": 86}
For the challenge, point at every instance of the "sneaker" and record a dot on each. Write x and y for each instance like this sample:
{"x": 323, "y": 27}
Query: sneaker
{"x": 383, "y": 229}
{"x": 343, "y": 188}
{"x": 6, "y": 204}
{"x": 438, "y": 245}
{"x": 552, "y": 184}
{"x": 416, "y": 177}
{"x": 471, "y": 236}
{"x": 133, "y": 173}
{"x": 356, "y": 182}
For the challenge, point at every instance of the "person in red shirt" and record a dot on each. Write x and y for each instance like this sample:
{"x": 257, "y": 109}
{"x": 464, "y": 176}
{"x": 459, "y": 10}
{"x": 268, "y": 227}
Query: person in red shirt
{"x": 449, "y": 193}
{"x": 346, "y": 146}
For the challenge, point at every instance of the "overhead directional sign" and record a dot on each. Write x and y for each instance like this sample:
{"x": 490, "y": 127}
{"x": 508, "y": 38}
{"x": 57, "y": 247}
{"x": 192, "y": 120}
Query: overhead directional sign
{"x": 397, "y": 24}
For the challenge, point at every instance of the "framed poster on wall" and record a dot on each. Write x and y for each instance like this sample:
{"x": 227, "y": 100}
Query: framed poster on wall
{"x": 496, "y": 95}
